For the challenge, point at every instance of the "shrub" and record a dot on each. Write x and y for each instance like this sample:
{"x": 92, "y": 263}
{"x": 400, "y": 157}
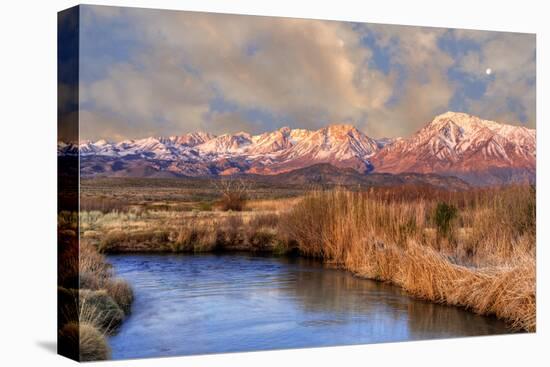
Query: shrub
{"x": 233, "y": 194}
{"x": 444, "y": 214}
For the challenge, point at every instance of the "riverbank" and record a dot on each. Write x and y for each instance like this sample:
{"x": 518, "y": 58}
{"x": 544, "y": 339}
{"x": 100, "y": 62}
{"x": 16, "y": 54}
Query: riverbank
{"x": 481, "y": 257}
{"x": 93, "y": 302}
{"x": 471, "y": 249}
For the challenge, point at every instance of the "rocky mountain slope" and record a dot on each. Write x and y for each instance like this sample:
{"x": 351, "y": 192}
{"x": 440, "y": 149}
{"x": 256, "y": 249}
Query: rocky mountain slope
{"x": 453, "y": 144}
{"x": 479, "y": 151}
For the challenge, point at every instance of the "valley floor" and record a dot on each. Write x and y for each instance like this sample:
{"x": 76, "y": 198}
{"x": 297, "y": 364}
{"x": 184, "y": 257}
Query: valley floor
{"x": 473, "y": 249}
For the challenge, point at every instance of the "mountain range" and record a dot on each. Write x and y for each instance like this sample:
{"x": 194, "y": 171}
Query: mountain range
{"x": 478, "y": 151}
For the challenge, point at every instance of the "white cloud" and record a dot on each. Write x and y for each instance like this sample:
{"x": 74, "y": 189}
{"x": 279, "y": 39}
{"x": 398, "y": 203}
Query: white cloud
{"x": 311, "y": 72}
{"x": 426, "y": 90}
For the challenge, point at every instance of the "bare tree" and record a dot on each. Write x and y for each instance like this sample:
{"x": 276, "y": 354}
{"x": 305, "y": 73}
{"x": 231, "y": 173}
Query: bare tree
{"x": 234, "y": 193}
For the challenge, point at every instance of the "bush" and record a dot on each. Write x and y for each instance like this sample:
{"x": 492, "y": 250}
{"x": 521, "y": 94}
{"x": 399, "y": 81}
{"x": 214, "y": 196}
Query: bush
{"x": 443, "y": 217}
{"x": 233, "y": 201}
{"x": 233, "y": 195}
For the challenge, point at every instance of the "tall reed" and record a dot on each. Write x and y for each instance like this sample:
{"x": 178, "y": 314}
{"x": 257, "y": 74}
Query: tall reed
{"x": 486, "y": 265}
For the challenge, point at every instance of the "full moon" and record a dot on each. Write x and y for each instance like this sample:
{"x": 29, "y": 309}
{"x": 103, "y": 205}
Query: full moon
{"x": 488, "y": 71}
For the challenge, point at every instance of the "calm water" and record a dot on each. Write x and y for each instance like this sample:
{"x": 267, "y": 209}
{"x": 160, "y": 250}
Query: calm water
{"x": 196, "y": 304}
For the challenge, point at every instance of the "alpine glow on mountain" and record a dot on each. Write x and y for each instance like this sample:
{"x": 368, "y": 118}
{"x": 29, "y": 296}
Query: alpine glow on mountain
{"x": 454, "y": 144}
{"x": 458, "y": 144}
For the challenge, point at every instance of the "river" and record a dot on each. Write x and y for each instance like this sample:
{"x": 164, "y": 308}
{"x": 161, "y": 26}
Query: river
{"x": 198, "y": 304}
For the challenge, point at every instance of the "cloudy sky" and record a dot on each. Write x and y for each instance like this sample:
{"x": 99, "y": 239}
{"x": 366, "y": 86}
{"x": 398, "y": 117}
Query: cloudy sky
{"x": 157, "y": 72}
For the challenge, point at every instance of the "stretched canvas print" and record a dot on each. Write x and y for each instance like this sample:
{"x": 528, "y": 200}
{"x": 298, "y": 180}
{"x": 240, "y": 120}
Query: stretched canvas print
{"x": 233, "y": 183}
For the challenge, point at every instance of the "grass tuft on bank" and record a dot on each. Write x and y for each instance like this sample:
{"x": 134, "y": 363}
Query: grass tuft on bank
{"x": 92, "y": 302}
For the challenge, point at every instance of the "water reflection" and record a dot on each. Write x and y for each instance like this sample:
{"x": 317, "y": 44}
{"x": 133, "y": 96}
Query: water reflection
{"x": 340, "y": 292}
{"x": 220, "y": 303}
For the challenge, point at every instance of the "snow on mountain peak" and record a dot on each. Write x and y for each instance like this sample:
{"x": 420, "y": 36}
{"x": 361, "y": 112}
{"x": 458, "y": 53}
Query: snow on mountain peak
{"x": 469, "y": 123}
{"x": 192, "y": 139}
{"x": 459, "y": 143}
{"x": 452, "y": 143}
{"x": 101, "y": 142}
{"x": 226, "y": 143}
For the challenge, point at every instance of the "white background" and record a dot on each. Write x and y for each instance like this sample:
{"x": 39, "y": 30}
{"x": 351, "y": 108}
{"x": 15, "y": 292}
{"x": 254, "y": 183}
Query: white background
{"x": 28, "y": 182}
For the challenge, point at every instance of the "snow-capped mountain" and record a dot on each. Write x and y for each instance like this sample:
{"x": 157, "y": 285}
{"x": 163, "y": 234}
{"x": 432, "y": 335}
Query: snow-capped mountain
{"x": 340, "y": 145}
{"x": 454, "y": 144}
{"x": 200, "y": 153}
{"x": 191, "y": 139}
{"x": 480, "y": 151}
{"x": 226, "y": 144}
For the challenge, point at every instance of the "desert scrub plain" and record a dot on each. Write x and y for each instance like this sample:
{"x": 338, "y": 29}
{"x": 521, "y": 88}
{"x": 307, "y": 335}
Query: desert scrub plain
{"x": 474, "y": 249}
{"x": 92, "y": 302}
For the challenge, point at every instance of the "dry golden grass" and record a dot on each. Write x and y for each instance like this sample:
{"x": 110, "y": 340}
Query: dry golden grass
{"x": 93, "y": 345}
{"x": 97, "y": 279}
{"x": 272, "y": 205}
{"x": 122, "y": 294}
{"x": 100, "y": 309}
{"x": 85, "y": 338}
{"x": 119, "y": 240}
{"x": 161, "y": 231}
{"x": 91, "y": 302}
{"x": 484, "y": 260}
{"x": 488, "y": 271}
